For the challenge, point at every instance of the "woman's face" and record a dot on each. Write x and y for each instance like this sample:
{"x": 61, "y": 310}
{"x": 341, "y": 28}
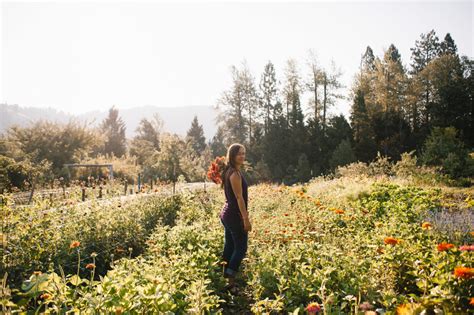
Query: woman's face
{"x": 240, "y": 158}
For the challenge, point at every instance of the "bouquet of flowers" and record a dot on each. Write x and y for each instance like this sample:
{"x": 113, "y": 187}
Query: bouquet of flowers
{"x": 215, "y": 169}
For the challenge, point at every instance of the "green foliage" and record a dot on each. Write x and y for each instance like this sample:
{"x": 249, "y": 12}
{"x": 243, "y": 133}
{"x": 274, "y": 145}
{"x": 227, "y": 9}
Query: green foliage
{"x": 111, "y": 229}
{"x": 342, "y": 155}
{"x": 113, "y": 128}
{"x": 147, "y": 139}
{"x": 196, "y": 137}
{"x": 52, "y": 142}
{"x": 124, "y": 167}
{"x": 301, "y": 250}
{"x": 21, "y": 175}
{"x": 443, "y": 148}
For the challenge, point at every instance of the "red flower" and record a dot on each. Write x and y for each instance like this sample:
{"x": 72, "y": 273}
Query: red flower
{"x": 444, "y": 246}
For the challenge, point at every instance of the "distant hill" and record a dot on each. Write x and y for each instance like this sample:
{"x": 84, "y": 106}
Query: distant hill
{"x": 176, "y": 119}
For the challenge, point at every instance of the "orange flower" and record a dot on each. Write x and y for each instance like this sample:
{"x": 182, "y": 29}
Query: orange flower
{"x": 464, "y": 272}
{"x": 444, "y": 246}
{"x": 406, "y": 309}
{"x": 391, "y": 240}
{"x": 118, "y": 310}
{"x": 471, "y": 301}
{"x": 426, "y": 225}
{"x": 90, "y": 266}
{"x": 472, "y": 233}
{"x": 215, "y": 168}
{"x": 339, "y": 211}
{"x": 74, "y": 244}
{"x": 36, "y": 273}
{"x": 45, "y": 296}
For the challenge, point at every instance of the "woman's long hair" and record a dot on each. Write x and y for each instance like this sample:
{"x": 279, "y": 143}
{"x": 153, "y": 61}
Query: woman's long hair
{"x": 231, "y": 155}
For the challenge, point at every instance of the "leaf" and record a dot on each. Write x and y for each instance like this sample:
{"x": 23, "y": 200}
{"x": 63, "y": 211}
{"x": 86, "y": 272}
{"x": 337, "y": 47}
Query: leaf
{"x": 75, "y": 280}
{"x": 35, "y": 284}
{"x": 343, "y": 305}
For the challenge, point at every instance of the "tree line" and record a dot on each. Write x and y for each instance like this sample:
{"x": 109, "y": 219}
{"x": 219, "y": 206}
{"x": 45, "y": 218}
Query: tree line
{"x": 426, "y": 107}
{"x": 395, "y": 109}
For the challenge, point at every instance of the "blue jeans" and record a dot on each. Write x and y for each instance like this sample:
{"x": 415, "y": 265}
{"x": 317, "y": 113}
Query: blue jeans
{"x": 235, "y": 246}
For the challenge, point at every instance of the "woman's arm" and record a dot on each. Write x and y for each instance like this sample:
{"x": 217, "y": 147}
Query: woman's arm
{"x": 236, "y": 183}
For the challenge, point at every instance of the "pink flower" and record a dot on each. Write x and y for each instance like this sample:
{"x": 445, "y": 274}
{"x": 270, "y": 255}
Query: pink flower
{"x": 466, "y": 247}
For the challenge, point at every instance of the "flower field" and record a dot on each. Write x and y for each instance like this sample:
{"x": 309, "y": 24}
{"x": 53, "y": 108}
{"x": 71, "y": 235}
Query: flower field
{"x": 338, "y": 246}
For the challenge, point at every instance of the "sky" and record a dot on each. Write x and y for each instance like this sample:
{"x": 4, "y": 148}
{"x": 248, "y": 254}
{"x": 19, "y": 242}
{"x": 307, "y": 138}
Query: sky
{"x": 82, "y": 56}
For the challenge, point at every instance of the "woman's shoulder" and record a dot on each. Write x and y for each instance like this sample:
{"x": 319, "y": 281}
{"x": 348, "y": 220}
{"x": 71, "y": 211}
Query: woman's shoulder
{"x": 233, "y": 173}
{"x": 236, "y": 176}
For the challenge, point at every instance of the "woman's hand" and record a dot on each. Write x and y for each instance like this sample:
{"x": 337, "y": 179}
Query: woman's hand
{"x": 247, "y": 225}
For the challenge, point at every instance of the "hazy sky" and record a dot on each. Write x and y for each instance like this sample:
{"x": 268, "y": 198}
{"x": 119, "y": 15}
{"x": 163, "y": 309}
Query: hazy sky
{"x": 81, "y": 56}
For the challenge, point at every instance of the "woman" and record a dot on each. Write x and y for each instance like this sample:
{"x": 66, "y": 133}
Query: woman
{"x": 234, "y": 215}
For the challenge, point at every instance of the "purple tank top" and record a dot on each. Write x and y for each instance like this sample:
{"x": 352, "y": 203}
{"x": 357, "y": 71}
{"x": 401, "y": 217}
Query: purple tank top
{"x": 231, "y": 212}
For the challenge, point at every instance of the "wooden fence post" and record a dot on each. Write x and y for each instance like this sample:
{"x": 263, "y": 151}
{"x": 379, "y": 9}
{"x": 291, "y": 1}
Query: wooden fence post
{"x": 139, "y": 182}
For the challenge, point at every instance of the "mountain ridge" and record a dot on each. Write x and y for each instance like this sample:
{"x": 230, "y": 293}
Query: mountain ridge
{"x": 176, "y": 119}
